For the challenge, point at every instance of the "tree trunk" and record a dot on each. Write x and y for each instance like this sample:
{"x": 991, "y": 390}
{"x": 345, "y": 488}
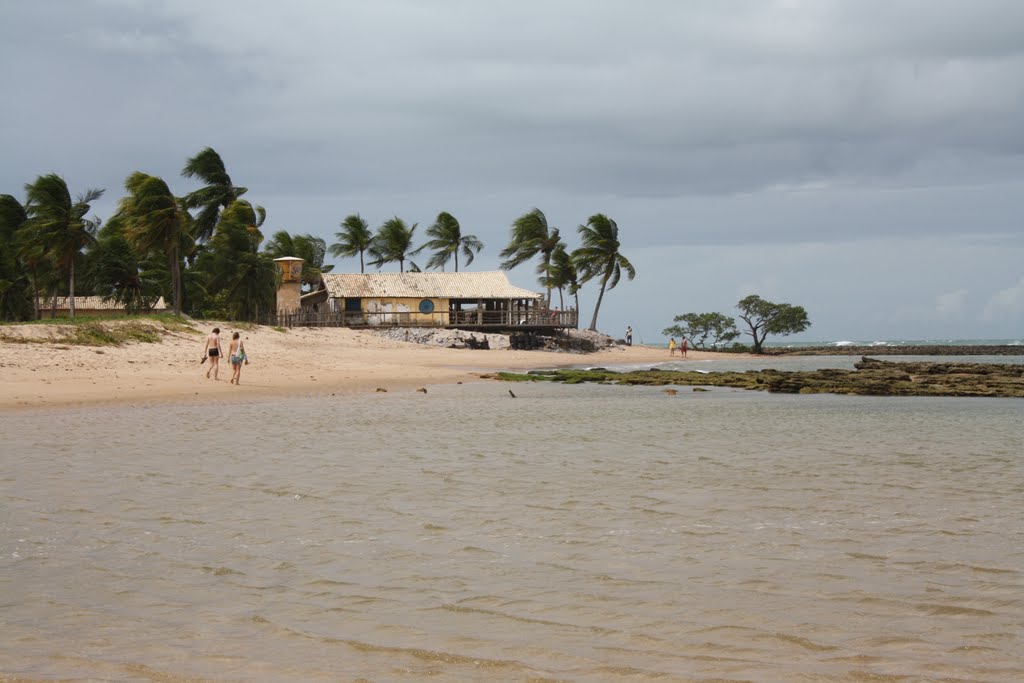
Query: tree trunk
{"x": 456, "y": 262}
{"x": 361, "y": 268}
{"x": 176, "y": 281}
{"x": 600, "y": 295}
{"x": 71, "y": 290}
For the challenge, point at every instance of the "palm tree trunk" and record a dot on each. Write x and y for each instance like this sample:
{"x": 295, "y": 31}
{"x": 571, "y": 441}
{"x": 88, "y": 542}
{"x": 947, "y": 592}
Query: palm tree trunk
{"x": 71, "y": 290}
{"x": 176, "y": 281}
{"x": 600, "y": 295}
{"x": 361, "y": 268}
{"x": 456, "y": 261}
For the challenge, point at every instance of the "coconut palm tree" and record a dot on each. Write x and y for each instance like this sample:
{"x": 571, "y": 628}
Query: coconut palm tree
{"x": 240, "y": 281}
{"x": 599, "y": 256}
{"x": 563, "y": 275}
{"x": 217, "y": 194}
{"x": 393, "y": 242}
{"x": 448, "y": 241}
{"x": 152, "y": 218}
{"x": 355, "y": 238}
{"x": 306, "y": 247}
{"x": 16, "y": 285}
{"x": 531, "y": 235}
{"x": 60, "y": 224}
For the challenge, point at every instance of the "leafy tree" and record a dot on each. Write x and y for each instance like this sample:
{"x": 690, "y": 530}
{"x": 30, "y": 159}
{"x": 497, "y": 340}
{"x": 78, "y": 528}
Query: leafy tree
{"x": 306, "y": 247}
{"x": 241, "y": 282}
{"x": 562, "y": 275}
{"x": 60, "y": 224}
{"x": 112, "y": 271}
{"x": 393, "y": 242}
{"x": 531, "y": 235}
{"x": 218, "y": 193}
{"x": 447, "y": 241}
{"x": 153, "y": 219}
{"x": 354, "y": 238}
{"x": 698, "y": 327}
{"x": 764, "y": 317}
{"x": 599, "y": 256}
{"x": 16, "y": 285}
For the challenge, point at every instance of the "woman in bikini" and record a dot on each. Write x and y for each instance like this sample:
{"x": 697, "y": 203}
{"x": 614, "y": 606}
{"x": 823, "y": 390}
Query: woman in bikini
{"x": 236, "y": 354}
{"x": 213, "y": 351}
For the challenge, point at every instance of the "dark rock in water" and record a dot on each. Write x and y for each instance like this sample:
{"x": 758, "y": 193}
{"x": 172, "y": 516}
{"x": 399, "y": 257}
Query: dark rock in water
{"x": 872, "y": 377}
{"x": 921, "y": 350}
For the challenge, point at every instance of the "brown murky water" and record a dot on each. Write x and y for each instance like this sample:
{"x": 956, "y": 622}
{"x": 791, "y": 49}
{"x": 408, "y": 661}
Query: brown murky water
{"x": 579, "y": 533}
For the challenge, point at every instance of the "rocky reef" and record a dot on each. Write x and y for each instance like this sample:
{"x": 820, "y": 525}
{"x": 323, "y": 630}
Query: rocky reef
{"x": 920, "y": 350}
{"x": 872, "y": 377}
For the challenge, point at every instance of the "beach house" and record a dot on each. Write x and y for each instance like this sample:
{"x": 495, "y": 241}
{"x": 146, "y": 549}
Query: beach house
{"x": 482, "y": 300}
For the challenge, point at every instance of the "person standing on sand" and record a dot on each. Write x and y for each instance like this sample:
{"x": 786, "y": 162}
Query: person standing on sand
{"x": 629, "y": 335}
{"x": 682, "y": 346}
{"x": 213, "y": 351}
{"x": 236, "y": 354}
{"x": 672, "y": 346}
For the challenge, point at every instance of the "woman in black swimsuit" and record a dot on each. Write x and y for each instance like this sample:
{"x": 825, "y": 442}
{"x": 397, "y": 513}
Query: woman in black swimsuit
{"x": 213, "y": 351}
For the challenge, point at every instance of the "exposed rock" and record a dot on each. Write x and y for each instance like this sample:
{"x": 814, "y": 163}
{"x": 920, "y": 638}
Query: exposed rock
{"x": 872, "y": 377}
{"x": 937, "y": 350}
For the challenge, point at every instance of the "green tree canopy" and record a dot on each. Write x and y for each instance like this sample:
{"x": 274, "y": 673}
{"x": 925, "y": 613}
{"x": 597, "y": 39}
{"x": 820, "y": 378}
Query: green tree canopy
{"x": 59, "y": 225}
{"x": 16, "y": 283}
{"x": 217, "y": 193}
{"x": 531, "y": 235}
{"x": 447, "y": 241}
{"x": 700, "y": 327}
{"x": 562, "y": 275}
{"x": 354, "y": 239}
{"x": 393, "y": 243}
{"x": 599, "y": 257}
{"x": 153, "y": 219}
{"x": 764, "y": 317}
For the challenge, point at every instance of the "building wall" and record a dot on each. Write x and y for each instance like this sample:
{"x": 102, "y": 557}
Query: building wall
{"x": 383, "y": 311}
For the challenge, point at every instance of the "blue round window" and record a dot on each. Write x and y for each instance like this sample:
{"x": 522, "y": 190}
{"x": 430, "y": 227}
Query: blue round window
{"x": 426, "y": 306}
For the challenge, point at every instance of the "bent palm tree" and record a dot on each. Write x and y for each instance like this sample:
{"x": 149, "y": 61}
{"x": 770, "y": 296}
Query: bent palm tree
{"x": 154, "y": 219}
{"x": 393, "y": 242}
{"x": 219, "y": 192}
{"x": 531, "y": 235}
{"x": 448, "y": 240}
{"x": 17, "y": 286}
{"x": 355, "y": 238}
{"x": 61, "y": 225}
{"x": 599, "y": 257}
{"x": 563, "y": 275}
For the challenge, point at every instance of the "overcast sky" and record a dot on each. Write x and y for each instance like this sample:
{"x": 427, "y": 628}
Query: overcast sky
{"x": 861, "y": 158}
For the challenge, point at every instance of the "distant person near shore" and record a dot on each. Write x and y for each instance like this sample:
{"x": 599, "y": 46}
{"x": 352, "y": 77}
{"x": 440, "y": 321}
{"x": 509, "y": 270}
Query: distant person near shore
{"x": 213, "y": 351}
{"x": 236, "y": 354}
{"x": 672, "y": 346}
{"x": 629, "y": 336}
{"x": 682, "y": 346}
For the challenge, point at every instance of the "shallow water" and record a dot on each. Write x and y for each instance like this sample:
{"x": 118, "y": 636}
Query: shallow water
{"x": 582, "y": 533}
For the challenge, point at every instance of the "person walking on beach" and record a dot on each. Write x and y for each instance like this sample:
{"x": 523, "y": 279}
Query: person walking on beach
{"x": 682, "y": 346}
{"x": 672, "y": 346}
{"x": 236, "y": 354}
{"x": 629, "y": 335}
{"x": 213, "y": 351}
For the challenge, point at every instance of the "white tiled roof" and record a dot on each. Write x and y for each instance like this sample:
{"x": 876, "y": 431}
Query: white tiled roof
{"x": 486, "y": 285}
{"x": 92, "y": 303}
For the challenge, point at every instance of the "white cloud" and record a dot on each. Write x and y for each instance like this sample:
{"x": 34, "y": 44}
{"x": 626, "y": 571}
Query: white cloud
{"x": 1006, "y": 304}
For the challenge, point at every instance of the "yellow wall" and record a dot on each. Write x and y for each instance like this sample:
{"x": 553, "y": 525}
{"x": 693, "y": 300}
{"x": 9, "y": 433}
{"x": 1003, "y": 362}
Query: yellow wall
{"x": 405, "y": 310}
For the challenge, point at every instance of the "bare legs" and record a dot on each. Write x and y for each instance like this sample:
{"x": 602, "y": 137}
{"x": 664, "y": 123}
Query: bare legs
{"x": 214, "y": 367}
{"x": 236, "y": 374}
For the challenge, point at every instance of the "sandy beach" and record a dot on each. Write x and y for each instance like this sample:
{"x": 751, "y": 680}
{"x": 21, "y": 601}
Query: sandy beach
{"x": 301, "y": 361}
